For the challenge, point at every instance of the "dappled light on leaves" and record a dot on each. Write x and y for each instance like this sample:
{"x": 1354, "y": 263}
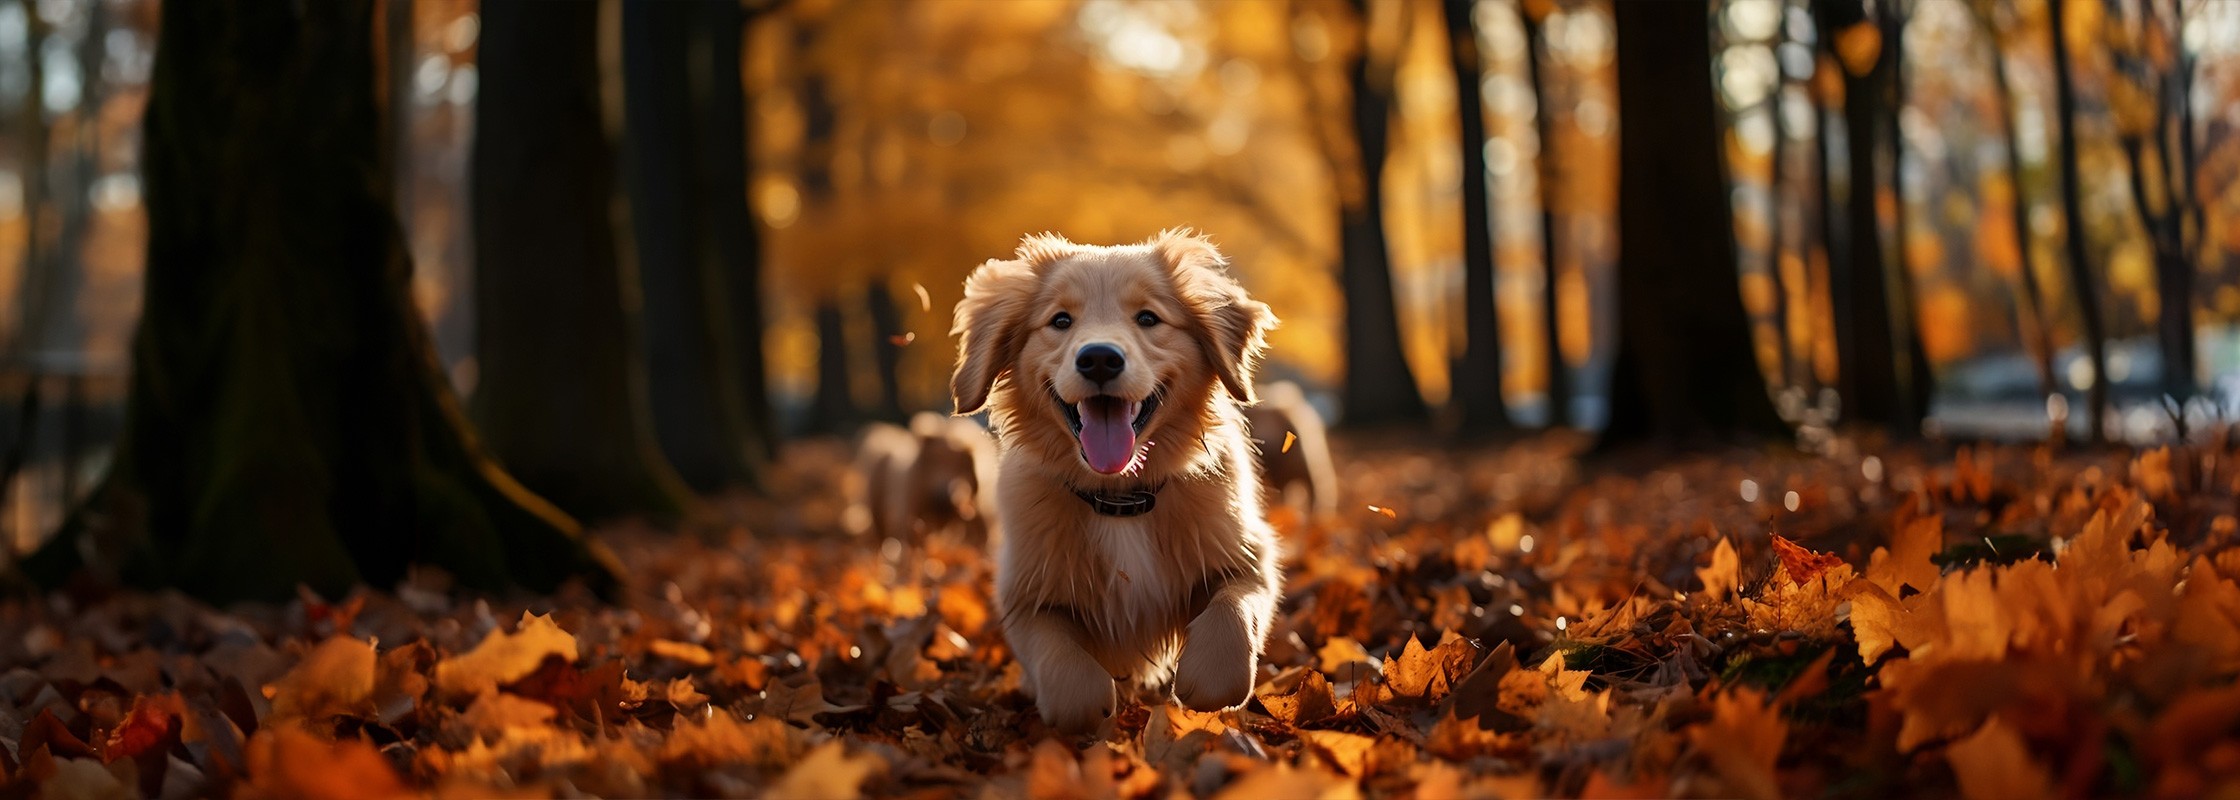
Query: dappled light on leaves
{"x": 1974, "y": 625}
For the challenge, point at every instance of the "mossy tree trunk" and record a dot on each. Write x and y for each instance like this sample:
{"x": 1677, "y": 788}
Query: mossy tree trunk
{"x": 1684, "y": 373}
{"x": 562, "y": 396}
{"x": 287, "y": 423}
{"x": 680, "y": 206}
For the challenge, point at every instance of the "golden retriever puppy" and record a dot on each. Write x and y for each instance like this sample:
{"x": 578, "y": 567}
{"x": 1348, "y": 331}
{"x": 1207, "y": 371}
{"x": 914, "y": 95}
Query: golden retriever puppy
{"x": 938, "y": 473}
{"x": 1294, "y": 449}
{"x": 1134, "y": 545}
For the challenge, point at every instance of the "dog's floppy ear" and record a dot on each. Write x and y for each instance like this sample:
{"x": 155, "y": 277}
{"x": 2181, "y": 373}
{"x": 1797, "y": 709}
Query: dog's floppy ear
{"x": 1230, "y": 325}
{"x": 990, "y": 319}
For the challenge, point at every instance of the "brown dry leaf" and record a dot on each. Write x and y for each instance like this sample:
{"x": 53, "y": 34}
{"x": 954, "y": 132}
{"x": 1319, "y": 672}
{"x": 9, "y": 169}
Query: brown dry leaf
{"x": 798, "y": 698}
{"x": 335, "y": 678}
{"x": 685, "y": 653}
{"x": 1284, "y": 780}
{"x": 1743, "y": 742}
{"x": 1802, "y": 564}
{"x": 287, "y": 762}
{"x": 503, "y": 658}
{"x": 1906, "y": 562}
{"x": 1346, "y": 752}
{"x": 827, "y": 773}
{"x": 1994, "y": 763}
{"x": 1055, "y": 773}
{"x": 1341, "y": 657}
{"x": 1428, "y": 675}
{"x": 153, "y": 720}
{"x": 494, "y": 711}
{"x": 1723, "y": 574}
{"x": 1308, "y": 700}
{"x": 724, "y": 739}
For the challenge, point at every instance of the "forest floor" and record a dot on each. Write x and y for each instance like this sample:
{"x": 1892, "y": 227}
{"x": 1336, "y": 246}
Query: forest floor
{"x": 1929, "y": 621}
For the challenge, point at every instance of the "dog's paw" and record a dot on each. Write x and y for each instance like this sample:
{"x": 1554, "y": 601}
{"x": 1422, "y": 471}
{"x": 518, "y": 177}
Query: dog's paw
{"x": 1076, "y": 703}
{"x": 1213, "y": 678}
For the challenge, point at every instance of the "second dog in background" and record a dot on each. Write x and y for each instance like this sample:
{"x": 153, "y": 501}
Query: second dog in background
{"x": 1294, "y": 454}
{"x": 938, "y": 473}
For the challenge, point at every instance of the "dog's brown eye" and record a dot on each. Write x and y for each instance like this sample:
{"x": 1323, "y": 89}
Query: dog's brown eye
{"x": 1062, "y": 321}
{"x": 1146, "y": 319}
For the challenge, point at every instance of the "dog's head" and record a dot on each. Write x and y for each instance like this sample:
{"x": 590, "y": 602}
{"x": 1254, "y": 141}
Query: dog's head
{"x": 1114, "y": 345}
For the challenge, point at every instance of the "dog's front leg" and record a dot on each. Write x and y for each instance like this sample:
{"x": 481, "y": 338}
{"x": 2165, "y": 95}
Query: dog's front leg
{"x": 1073, "y": 691}
{"x": 1221, "y": 656}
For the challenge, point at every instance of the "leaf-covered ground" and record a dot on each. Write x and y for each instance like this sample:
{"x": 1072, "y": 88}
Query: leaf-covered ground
{"x": 1985, "y": 622}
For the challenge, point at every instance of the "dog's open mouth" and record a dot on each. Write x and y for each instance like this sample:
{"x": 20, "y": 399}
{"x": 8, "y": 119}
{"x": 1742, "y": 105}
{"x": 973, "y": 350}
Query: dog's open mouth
{"x": 1108, "y": 427}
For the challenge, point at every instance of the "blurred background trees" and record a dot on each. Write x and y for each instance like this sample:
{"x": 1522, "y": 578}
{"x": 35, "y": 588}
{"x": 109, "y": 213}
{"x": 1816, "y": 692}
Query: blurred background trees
{"x": 652, "y": 240}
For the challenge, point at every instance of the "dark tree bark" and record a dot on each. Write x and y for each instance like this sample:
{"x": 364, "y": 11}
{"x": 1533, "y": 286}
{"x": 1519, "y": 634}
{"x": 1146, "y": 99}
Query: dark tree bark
{"x": 2081, "y": 269}
{"x": 1551, "y": 175}
{"x": 286, "y": 422}
{"x": 2037, "y": 332}
{"x": 1477, "y": 375}
{"x": 1918, "y": 383}
{"x": 1379, "y": 386}
{"x": 724, "y": 186}
{"x": 562, "y": 396}
{"x": 1684, "y": 373}
{"x": 2165, "y": 215}
{"x": 833, "y": 409}
{"x": 698, "y": 404}
{"x": 886, "y": 355}
{"x": 1874, "y": 374}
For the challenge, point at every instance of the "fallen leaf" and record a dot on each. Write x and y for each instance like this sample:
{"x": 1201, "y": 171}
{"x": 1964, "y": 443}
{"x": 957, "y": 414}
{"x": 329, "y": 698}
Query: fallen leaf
{"x": 1286, "y": 781}
{"x": 287, "y": 762}
{"x": 1993, "y": 763}
{"x": 1309, "y": 700}
{"x": 1723, "y": 574}
{"x": 1801, "y": 564}
{"x": 1347, "y": 752}
{"x": 336, "y": 678}
{"x": 1341, "y": 657}
{"x": 828, "y": 773}
{"x": 504, "y": 658}
{"x": 1743, "y": 741}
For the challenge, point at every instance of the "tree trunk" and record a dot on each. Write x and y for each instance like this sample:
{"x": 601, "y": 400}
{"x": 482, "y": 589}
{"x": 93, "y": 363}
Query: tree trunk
{"x": 1871, "y": 373}
{"x": 2072, "y": 217}
{"x": 1379, "y": 386}
{"x": 1918, "y": 382}
{"x": 833, "y": 409}
{"x": 2036, "y": 325}
{"x": 287, "y": 423}
{"x": 698, "y": 406}
{"x": 886, "y": 323}
{"x": 1685, "y": 372}
{"x": 1477, "y": 376}
{"x": 1551, "y": 287}
{"x": 737, "y": 231}
{"x": 562, "y": 397}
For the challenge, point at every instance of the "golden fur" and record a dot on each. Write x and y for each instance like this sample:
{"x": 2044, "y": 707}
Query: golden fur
{"x": 1185, "y": 592}
{"x": 1283, "y": 409}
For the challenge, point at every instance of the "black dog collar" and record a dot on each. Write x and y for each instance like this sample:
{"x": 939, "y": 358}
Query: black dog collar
{"x": 1131, "y": 503}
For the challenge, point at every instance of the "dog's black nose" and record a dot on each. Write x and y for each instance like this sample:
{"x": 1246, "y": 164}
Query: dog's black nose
{"x": 1100, "y": 362}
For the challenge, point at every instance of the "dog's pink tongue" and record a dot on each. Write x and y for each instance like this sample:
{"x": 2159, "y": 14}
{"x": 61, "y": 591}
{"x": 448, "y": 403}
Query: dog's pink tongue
{"x": 1108, "y": 434}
